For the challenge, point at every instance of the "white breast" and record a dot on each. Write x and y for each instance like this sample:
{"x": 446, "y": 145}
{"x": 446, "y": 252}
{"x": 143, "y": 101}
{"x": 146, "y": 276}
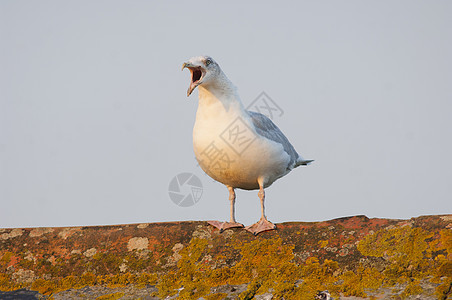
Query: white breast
{"x": 229, "y": 150}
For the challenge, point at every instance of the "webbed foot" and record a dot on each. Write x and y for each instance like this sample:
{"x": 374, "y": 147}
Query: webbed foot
{"x": 261, "y": 226}
{"x": 225, "y": 225}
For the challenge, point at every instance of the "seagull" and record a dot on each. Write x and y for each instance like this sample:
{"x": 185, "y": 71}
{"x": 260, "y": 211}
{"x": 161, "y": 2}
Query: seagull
{"x": 239, "y": 148}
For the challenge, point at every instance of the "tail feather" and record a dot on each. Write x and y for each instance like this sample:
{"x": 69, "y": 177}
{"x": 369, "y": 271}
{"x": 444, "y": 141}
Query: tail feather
{"x": 303, "y": 162}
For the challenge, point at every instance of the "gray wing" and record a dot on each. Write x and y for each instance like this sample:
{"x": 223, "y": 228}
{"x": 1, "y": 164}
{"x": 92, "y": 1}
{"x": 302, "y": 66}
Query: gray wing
{"x": 266, "y": 128}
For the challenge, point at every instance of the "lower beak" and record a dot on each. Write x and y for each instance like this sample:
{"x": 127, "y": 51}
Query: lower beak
{"x": 191, "y": 88}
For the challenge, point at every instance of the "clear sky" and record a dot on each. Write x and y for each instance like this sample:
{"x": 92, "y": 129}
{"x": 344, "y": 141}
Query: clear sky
{"x": 95, "y": 122}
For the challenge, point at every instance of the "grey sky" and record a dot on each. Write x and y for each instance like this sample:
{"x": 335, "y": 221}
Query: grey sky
{"x": 95, "y": 122}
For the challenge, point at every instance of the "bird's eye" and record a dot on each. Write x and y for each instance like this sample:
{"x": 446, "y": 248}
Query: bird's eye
{"x": 208, "y": 61}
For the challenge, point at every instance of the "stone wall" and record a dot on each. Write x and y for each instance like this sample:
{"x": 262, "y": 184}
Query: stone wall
{"x": 352, "y": 258}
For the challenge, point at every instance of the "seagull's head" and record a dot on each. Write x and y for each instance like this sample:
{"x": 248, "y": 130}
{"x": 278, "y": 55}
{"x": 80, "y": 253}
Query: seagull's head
{"x": 203, "y": 70}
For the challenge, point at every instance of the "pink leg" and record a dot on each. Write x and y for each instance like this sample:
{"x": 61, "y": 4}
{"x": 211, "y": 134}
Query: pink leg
{"x": 232, "y": 200}
{"x": 263, "y": 224}
{"x": 232, "y": 224}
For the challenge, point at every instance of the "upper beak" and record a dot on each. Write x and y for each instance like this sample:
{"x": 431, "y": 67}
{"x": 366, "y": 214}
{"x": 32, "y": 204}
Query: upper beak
{"x": 186, "y": 65}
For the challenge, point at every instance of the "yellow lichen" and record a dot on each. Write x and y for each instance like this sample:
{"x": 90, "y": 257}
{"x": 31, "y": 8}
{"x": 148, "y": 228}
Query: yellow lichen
{"x": 443, "y": 290}
{"x": 46, "y": 287}
{"x": 252, "y": 289}
{"x": 411, "y": 256}
{"x": 317, "y": 276}
{"x": 191, "y": 274}
{"x": 218, "y": 296}
{"x": 413, "y": 288}
{"x": 7, "y": 284}
{"x": 6, "y": 258}
{"x": 358, "y": 282}
{"x": 267, "y": 261}
{"x": 323, "y": 243}
{"x": 113, "y": 296}
{"x": 49, "y": 287}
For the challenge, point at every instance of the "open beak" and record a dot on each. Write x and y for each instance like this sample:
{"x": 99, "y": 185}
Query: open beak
{"x": 197, "y": 74}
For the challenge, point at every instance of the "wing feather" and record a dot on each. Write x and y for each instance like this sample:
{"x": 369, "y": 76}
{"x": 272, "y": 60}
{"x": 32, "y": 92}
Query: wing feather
{"x": 266, "y": 128}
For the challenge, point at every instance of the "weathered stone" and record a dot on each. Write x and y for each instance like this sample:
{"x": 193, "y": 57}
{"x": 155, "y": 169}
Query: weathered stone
{"x": 40, "y": 231}
{"x": 138, "y": 243}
